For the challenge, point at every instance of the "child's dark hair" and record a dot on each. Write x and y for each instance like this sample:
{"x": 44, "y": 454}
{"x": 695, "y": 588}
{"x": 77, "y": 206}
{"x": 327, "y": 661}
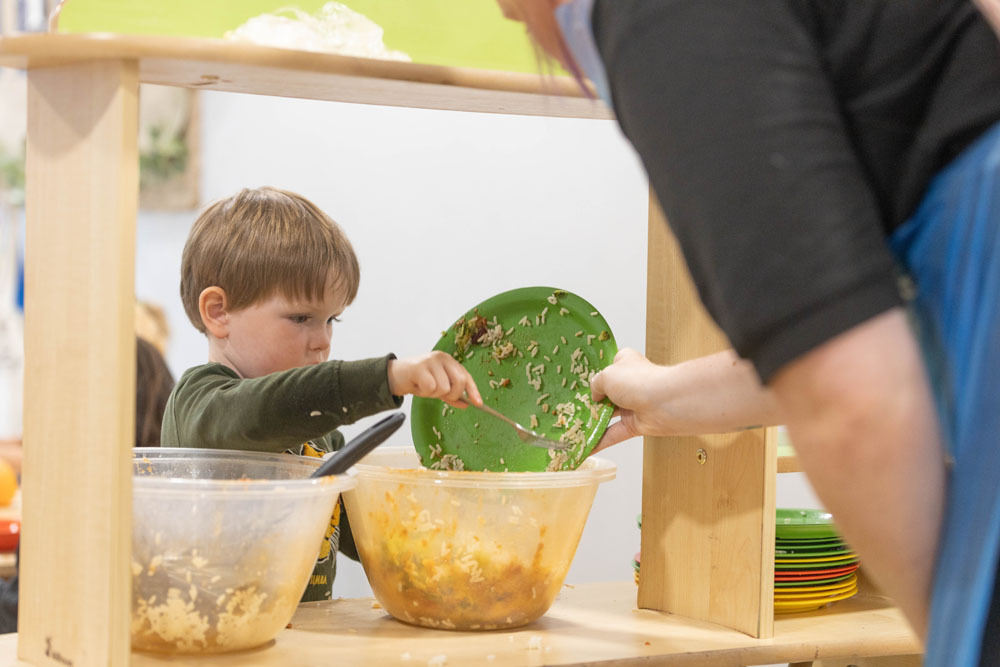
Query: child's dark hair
{"x": 262, "y": 242}
{"x": 153, "y": 384}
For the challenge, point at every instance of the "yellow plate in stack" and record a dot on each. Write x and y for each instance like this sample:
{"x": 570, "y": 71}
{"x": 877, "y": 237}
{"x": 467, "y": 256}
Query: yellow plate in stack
{"x": 792, "y": 606}
{"x": 793, "y": 597}
{"x": 847, "y": 557}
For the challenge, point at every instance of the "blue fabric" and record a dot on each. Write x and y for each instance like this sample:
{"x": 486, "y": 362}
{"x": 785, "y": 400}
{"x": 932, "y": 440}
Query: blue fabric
{"x": 951, "y": 249}
{"x": 19, "y": 295}
{"x": 578, "y": 30}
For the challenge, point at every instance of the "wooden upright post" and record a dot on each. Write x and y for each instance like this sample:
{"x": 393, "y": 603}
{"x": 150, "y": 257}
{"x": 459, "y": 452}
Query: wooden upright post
{"x": 707, "y": 502}
{"x": 79, "y": 407}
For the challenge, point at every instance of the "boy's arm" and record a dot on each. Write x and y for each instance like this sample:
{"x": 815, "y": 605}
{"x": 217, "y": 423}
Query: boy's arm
{"x": 214, "y": 408}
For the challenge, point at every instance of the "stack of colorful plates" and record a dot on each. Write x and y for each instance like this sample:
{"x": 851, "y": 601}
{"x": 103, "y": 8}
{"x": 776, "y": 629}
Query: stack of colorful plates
{"x": 813, "y": 567}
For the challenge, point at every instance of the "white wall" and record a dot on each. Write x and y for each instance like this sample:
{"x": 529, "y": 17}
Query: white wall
{"x": 444, "y": 209}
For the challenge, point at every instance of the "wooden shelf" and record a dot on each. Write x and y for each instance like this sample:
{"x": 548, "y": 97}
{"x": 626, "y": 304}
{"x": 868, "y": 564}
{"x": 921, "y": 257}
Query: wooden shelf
{"x": 788, "y": 461}
{"x": 215, "y": 64}
{"x": 587, "y": 624}
{"x": 708, "y": 503}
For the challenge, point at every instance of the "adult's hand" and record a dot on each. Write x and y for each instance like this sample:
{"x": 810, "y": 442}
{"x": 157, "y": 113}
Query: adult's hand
{"x": 632, "y": 383}
{"x": 717, "y": 393}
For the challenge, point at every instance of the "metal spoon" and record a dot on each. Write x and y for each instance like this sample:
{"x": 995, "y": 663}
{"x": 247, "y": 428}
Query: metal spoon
{"x": 360, "y": 445}
{"x": 527, "y": 437}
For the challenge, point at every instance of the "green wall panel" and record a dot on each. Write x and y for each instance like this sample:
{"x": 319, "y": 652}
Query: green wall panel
{"x": 466, "y": 33}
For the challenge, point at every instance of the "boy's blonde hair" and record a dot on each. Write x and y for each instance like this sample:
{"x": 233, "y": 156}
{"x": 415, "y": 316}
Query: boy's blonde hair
{"x": 263, "y": 242}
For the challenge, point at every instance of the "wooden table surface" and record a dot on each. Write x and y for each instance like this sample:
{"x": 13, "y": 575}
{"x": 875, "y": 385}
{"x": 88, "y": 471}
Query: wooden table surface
{"x": 589, "y": 623}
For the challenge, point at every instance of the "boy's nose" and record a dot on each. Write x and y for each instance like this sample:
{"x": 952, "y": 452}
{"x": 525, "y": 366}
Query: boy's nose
{"x": 321, "y": 342}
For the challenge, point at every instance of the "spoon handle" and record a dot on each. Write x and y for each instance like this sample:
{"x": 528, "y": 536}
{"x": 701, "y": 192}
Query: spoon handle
{"x": 526, "y": 436}
{"x": 360, "y": 445}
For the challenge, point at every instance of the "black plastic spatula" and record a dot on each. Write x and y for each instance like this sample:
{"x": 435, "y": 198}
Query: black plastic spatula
{"x": 360, "y": 445}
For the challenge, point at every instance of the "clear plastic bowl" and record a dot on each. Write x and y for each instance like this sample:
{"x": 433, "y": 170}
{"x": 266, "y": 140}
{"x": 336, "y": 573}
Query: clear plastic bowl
{"x": 467, "y": 550}
{"x": 223, "y": 544}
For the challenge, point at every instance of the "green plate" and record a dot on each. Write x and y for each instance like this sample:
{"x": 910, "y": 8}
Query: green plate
{"x": 810, "y": 540}
{"x": 820, "y": 552}
{"x": 814, "y": 582}
{"x": 799, "y": 524}
{"x": 527, "y": 349}
{"x": 828, "y": 565}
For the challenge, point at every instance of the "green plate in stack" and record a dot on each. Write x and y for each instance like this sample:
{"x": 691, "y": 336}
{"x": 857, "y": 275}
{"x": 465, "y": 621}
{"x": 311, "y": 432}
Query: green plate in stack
{"x": 531, "y": 352}
{"x": 800, "y": 524}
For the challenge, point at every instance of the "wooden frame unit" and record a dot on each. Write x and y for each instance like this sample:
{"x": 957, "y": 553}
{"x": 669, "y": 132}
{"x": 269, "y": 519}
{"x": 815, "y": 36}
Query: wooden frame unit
{"x": 82, "y": 198}
{"x": 708, "y": 503}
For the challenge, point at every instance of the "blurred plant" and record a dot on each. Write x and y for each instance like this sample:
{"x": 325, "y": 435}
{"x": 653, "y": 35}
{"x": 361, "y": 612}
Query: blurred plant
{"x": 12, "y": 176}
{"x": 165, "y": 157}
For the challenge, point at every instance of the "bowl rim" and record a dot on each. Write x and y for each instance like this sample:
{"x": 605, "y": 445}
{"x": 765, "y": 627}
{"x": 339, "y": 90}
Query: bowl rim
{"x": 305, "y": 486}
{"x": 594, "y": 470}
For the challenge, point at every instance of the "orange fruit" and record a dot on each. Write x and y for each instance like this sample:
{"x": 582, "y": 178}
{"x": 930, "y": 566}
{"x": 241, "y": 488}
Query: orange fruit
{"x": 8, "y": 483}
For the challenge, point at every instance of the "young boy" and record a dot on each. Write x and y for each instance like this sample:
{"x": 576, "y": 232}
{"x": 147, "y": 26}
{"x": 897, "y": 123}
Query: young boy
{"x": 264, "y": 275}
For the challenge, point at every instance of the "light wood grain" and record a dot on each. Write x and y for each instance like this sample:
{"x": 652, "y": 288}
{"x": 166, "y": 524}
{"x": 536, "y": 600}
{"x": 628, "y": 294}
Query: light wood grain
{"x": 789, "y": 464}
{"x": 82, "y": 189}
{"x": 708, "y": 527}
{"x": 588, "y": 624}
{"x": 885, "y": 661}
{"x": 213, "y": 64}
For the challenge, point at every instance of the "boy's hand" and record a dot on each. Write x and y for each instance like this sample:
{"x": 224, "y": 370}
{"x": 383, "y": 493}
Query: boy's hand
{"x": 434, "y": 375}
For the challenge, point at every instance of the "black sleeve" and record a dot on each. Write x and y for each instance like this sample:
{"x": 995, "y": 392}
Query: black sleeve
{"x": 729, "y": 108}
{"x": 9, "y": 597}
{"x": 8, "y": 604}
{"x": 346, "y": 545}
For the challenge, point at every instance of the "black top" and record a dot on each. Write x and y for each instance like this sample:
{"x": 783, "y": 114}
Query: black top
{"x": 786, "y": 138}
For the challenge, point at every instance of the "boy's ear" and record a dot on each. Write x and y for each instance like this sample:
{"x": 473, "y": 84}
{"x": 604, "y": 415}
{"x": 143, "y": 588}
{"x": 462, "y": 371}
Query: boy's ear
{"x": 214, "y": 308}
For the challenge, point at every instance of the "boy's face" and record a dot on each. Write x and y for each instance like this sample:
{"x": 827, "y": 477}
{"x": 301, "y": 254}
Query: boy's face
{"x": 277, "y": 334}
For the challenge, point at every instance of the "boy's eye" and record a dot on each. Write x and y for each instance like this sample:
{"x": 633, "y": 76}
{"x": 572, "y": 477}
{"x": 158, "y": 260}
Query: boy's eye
{"x": 333, "y": 318}
{"x": 299, "y": 319}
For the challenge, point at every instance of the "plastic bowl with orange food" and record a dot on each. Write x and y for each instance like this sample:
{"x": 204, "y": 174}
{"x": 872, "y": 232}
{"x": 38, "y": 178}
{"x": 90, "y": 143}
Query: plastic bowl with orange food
{"x": 465, "y": 550}
{"x": 223, "y": 544}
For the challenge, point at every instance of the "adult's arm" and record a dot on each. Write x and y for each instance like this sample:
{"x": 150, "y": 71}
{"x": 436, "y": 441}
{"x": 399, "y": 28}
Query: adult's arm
{"x": 991, "y": 10}
{"x": 860, "y": 412}
{"x": 717, "y": 393}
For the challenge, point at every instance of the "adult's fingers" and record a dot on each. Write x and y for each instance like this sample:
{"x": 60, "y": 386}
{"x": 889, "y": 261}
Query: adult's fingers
{"x": 598, "y": 391}
{"x": 617, "y": 432}
{"x": 604, "y": 382}
{"x": 627, "y": 354}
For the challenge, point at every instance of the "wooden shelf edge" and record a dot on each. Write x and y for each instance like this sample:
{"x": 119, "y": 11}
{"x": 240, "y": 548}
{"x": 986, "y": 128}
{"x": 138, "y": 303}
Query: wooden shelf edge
{"x": 788, "y": 460}
{"x": 216, "y": 64}
{"x": 788, "y": 463}
{"x": 588, "y": 623}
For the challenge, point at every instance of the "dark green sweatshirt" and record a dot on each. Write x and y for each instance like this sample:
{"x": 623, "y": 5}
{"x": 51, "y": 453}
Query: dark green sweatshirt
{"x": 295, "y": 411}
